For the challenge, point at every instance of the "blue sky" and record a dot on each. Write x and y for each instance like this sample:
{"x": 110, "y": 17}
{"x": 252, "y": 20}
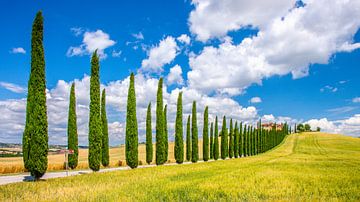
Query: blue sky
{"x": 298, "y": 63}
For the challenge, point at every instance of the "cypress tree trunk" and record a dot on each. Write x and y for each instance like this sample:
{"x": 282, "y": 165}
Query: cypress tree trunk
{"x": 211, "y": 140}
{"x": 72, "y": 130}
{"x": 188, "y": 140}
{"x": 224, "y": 142}
{"x": 206, "y": 135}
{"x": 251, "y": 140}
{"x": 166, "y": 135}
{"x": 149, "y": 146}
{"x": 216, "y": 140}
{"x": 179, "y": 142}
{"x": 95, "y": 131}
{"x": 194, "y": 136}
{"x": 160, "y": 133}
{"x": 131, "y": 138}
{"x": 231, "y": 141}
{"x": 105, "y": 132}
{"x": 236, "y": 141}
{"x": 35, "y": 137}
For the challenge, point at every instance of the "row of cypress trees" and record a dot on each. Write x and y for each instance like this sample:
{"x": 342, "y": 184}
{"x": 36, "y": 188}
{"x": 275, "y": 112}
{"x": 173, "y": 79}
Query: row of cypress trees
{"x": 235, "y": 142}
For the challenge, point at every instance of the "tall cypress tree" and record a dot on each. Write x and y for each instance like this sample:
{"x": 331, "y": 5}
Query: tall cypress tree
{"x": 166, "y": 138}
{"x": 206, "y": 135}
{"x": 231, "y": 141}
{"x": 160, "y": 133}
{"x": 211, "y": 140}
{"x": 194, "y": 136}
{"x": 35, "y": 137}
{"x": 149, "y": 146}
{"x": 224, "y": 141}
{"x": 241, "y": 146}
{"x": 188, "y": 140}
{"x": 72, "y": 130}
{"x": 245, "y": 140}
{"x": 105, "y": 132}
{"x": 236, "y": 141}
{"x": 216, "y": 140}
{"x": 95, "y": 131}
{"x": 179, "y": 142}
{"x": 131, "y": 138}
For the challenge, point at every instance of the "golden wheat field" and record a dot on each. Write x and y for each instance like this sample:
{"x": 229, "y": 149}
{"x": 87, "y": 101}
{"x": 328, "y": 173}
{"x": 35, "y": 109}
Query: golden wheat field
{"x": 56, "y": 162}
{"x": 304, "y": 167}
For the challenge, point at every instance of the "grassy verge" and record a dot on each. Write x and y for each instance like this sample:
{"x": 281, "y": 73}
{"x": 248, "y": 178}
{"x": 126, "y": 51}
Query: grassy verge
{"x": 309, "y": 166}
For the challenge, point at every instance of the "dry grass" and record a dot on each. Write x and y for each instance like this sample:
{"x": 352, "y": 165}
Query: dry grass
{"x": 56, "y": 161}
{"x": 306, "y": 167}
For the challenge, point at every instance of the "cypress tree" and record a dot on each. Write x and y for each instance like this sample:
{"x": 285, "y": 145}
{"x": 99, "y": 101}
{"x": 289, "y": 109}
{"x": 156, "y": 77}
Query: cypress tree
{"x": 179, "y": 142}
{"x": 251, "y": 140}
{"x": 188, "y": 140}
{"x": 95, "y": 131}
{"x": 194, "y": 136}
{"x": 105, "y": 132}
{"x": 149, "y": 146}
{"x": 166, "y": 135}
{"x": 236, "y": 141}
{"x": 160, "y": 136}
{"x": 206, "y": 135}
{"x": 35, "y": 137}
{"x": 245, "y": 141}
{"x": 72, "y": 130}
{"x": 211, "y": 140}
{"x": 224, "y": 142}
{"x": 231, "y": 141}
{"x": 216, "y": 140}
{"x": 241, "y": 146}
{"x": 131, "y": 138}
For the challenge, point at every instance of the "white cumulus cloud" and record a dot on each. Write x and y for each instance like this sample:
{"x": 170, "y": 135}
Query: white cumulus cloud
{"x": 160, "y": 55}
{"x": 255, "y": 100}
{"x": 97, "y": 40}
{"x": 175, "y": 75}
{"x": 285, "y": 44}
{"x": 18, "y": 50}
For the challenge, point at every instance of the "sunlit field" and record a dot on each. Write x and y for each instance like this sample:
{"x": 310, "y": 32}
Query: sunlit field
{"x": 307, "y": 166}
{"x": 56, "y": 162}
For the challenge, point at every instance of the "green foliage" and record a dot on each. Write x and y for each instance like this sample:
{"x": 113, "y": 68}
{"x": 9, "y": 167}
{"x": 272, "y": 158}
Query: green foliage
{"x": 211, "y": 140}
{"x": 149, "y": 146}
{"x": 72, "y": 130}
{"x": 224, "y": 141}
{"x": 307, "y": 127}
{"x": 35, "y": 137}
{"x": 95, "y": 129}
{"x": 194, "y": 136}
{"x": 318, "y": 129}
{"x": 300, "y": 128}
{"x": 160, "y": 132}
{"x": 166, "y": 138}
{"x": 236, "y": 140}
{"x": 105, "y": 132}
{"x": 188, "y": 140}
{"x": 241, "y": 140}
{"x": 231, "y": 141}
{"x": 131, "y": 138}
{"x": 179, "y": 142}
{"x": 206, "y": 135}
{"x": 216, "y": 140}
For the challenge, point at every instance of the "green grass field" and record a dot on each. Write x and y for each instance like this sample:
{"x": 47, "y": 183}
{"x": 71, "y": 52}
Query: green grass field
{"x": 308, "y": 166}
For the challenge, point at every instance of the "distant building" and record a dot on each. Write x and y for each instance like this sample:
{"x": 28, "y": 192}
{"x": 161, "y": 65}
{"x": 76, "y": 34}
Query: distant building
{"x": 269, "y": 126}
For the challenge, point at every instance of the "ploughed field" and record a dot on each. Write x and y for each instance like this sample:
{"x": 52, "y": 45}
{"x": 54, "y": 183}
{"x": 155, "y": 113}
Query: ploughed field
{"x": 307, "y": 166}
